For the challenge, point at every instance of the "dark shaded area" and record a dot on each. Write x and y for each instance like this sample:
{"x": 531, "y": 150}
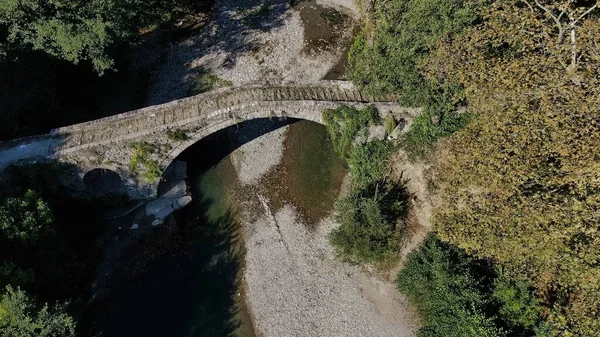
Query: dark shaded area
{"x": 63, "y": 261}
{"x": 39, "y": 92}
{"x": 102, "y": 181}
{"x": 194, "y": 290}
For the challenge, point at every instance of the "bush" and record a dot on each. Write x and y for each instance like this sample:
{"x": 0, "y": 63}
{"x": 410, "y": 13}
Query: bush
{"x": 142, "y": 156}
{"x": 460, "y": 296}
{"x": 24, "y": 219}
{"x": 367, "y": 162}
{"x": 177, "y": 135}
{"x": 517, "y": 302}
{"x": 21, "y": 317}
{"x": 430, "y": 126}
{"x": 403, "y": 33}
{"x": 369, "y": 230}
{"x": 345, "y": 123}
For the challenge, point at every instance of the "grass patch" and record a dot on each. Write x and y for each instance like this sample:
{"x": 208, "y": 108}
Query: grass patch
{"x": 142, "y": 157}
{"x": 177, "y": 135}
{"x": 206, "y": 81}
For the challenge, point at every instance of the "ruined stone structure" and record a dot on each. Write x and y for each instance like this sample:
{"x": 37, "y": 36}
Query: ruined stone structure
{"x": 109, "y": 143}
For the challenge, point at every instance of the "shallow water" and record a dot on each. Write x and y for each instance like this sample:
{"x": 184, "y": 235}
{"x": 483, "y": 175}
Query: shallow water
{"x": 199, "y": 290}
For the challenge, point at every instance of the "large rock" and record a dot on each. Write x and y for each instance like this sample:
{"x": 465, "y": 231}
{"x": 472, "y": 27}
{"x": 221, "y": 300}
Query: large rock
{"x": 376, "y": 132}
{"x": 161, "y": 208}
{"x": 398, "y": 130}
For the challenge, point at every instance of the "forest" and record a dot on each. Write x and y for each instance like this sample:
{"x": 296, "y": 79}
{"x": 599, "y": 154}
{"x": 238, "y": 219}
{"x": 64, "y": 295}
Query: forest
{"x": 516, "y": 243}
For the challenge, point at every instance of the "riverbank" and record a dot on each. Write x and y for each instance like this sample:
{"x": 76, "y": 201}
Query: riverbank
{"x": 295, "y": 285}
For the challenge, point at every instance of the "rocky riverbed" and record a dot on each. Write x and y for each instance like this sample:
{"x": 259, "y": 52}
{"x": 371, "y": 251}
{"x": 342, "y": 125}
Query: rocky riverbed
{"x": 295, "y": 285}
{"x": 292, "y": 282}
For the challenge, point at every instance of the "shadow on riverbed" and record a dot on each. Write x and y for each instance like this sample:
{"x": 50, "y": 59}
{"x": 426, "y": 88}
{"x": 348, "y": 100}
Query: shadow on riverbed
{"x": 193, "y": 292}
{"x": 231, "y": 33}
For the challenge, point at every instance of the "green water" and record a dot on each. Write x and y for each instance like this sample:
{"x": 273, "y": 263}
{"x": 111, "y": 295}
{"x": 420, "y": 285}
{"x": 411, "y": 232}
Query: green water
{"x": 310, "y": 173}
{"x": 198, "y": 291}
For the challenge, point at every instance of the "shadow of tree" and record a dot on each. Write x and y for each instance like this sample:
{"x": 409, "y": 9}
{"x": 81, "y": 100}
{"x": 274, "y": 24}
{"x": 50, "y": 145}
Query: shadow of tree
{"x": 229, "y": 35}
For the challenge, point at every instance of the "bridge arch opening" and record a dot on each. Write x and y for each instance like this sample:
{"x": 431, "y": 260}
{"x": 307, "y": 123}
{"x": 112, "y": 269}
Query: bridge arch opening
{"x": 102, "y": 181}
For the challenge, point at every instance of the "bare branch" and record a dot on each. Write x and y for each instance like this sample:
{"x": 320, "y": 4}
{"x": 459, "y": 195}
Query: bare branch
{"x": 556, "y": 20}
{"x": 586, "y": 13}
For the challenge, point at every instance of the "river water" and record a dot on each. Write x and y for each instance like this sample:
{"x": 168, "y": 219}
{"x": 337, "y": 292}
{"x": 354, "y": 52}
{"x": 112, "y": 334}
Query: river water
{"x": 199, "y": 290}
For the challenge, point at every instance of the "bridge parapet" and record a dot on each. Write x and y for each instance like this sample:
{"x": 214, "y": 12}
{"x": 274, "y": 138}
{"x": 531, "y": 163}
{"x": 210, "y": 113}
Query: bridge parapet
{"x": 107, "y": 143}
{"x": 204, "y": 106}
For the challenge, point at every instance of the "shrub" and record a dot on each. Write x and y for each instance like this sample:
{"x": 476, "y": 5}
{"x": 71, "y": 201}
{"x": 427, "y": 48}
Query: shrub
{"x": 24, "y": 219}
{"x": 368, "y": 218}
{"x": 177, "y": 135}
{"x": 517, "y": 302}
{"x": 367, "y": 162}
{"x": 206, "y": 81}
{"x": 345, "y": 123}
{"x": 458, "y": 295}
{"x": 142, "y": 156}
{"x": 21, "y": 317}
{"x": 404, "y": 32}
{"x": 430, "y": 126}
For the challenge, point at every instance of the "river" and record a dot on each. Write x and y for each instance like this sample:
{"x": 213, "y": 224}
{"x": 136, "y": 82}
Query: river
{"x": 199, "y": 290}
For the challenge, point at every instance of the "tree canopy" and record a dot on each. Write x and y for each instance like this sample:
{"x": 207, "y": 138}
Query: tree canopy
{"x": 24, "y": 219}
{"x": 21, "y": 317}
{"x": 76, "y": 30}
{"x": 520, "y": 183}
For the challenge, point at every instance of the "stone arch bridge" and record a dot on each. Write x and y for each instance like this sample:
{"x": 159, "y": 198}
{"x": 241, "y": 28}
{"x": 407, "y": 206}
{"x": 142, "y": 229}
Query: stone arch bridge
{"x": 108, "y": 143}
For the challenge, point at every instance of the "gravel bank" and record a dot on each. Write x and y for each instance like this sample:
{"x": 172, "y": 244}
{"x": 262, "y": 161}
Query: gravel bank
{"x": 247, "y": 42}
{"x": 296, "y": 287}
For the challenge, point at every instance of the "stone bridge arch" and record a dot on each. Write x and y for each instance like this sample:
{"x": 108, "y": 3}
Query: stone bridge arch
{"x": 109, "y": 143}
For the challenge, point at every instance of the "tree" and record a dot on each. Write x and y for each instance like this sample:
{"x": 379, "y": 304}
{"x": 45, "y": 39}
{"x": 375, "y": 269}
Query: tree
{"x": 519, "y": 185}
{"x": 388, "y": 58}
{"x": 21, "y": 317}
{"x": 76, "y": 30}
{"x": 440, "y": 280}
{"x": 24, "y": 219}
{"x": 67, "y": 29}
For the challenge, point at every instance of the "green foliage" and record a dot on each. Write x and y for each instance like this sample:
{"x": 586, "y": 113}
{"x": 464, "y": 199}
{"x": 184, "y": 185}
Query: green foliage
{"x": 142, "y": 156}
{"x": 345, "y": 123}
{"x": 458, "y": 295}
{"x": 517, "y": 301}
{"x": 177, "y": 135}
{"x": 21, "y": 317}
{"x": 73, "y": 30}
{"x": 24, "y": 219}
{"x": 519, "y": 185}
{"x": 206, "y": 81}
{"x": 388, "y": 59}
{"x": 390, "y": 123}
{"x": 10, "y": 274}
{"x": 369, "y": 230}
{"x": 367, "y": 162}
{"x": 430, "y": 126}
{"x": 442, "y": 282}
